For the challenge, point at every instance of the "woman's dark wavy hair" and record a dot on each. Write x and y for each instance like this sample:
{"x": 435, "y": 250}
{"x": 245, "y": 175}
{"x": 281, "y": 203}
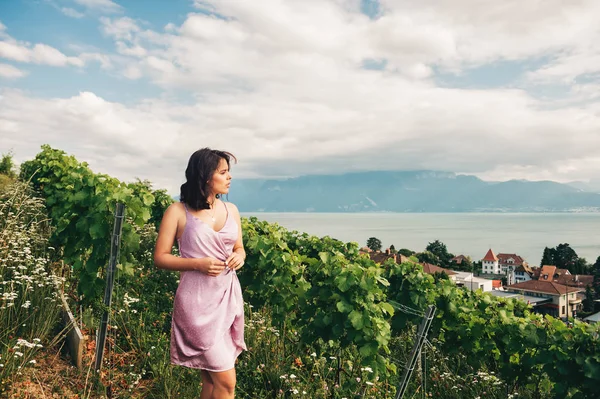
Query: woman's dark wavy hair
{"x": 201, "y": 167}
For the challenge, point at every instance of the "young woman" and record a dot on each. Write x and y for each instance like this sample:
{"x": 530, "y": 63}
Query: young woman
{"x": 208, "y": 313}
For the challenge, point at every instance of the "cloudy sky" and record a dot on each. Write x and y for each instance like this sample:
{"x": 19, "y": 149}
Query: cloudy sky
{"x": 501, "y": 89}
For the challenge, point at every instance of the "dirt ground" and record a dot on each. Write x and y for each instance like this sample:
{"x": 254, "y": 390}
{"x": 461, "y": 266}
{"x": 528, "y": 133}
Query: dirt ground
{"x": 54, "y": 376}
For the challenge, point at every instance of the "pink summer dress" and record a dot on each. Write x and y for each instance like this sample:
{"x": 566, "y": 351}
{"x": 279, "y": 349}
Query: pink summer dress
{"x": 208, "y": 312}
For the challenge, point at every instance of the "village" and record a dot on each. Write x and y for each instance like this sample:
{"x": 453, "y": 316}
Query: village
{"x": 548, "y": 289}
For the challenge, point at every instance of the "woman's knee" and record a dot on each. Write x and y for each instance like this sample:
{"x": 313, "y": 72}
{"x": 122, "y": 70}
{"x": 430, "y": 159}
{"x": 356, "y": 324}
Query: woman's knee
{"x": 225, "y": 380}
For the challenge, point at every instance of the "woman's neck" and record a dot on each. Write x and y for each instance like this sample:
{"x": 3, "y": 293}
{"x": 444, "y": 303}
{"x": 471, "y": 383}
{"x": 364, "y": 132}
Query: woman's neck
{"x": 211, "y": 199}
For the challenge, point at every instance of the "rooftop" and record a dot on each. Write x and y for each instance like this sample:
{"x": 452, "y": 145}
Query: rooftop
{"x": 532, "y": 300}
{"x": 545, "y": 287}
{"x": 490, "y": 256}
{"x": 432, "y": 269}
{"x": 503, "y": 258}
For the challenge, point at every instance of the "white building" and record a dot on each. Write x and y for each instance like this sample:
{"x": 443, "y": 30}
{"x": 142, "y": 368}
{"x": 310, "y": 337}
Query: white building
{"x": 509, "y": 264}
{"x": 489, "y": 263}
{"x": 523, "y": 273}
{"x": 468, "y": 281}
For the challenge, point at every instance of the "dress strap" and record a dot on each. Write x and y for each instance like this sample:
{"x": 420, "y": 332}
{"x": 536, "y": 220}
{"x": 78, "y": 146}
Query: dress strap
{"x": 226, "y": 209}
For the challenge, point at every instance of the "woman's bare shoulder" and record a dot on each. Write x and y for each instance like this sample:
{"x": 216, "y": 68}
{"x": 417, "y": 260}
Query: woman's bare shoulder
{"x": 232, "y": 207}
{"x": 175, "y": 209}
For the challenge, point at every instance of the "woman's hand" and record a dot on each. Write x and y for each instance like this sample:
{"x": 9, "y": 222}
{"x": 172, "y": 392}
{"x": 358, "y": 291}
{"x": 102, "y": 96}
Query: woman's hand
{"x": 235, "y": 261}
{"x": 211, "y": 266}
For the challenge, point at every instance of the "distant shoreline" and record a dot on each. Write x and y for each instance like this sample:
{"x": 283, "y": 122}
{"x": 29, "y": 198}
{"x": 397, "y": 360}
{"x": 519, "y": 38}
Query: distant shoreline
{"x": 467, "y": 233}
{"x": 511, "y": 212}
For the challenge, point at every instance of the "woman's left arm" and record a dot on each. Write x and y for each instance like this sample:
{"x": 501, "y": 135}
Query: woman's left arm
{"x": 237, "y": 258}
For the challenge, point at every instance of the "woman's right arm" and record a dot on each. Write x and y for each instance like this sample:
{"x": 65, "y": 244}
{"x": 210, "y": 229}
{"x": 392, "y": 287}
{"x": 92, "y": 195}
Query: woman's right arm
{"x": 164, "y": 259}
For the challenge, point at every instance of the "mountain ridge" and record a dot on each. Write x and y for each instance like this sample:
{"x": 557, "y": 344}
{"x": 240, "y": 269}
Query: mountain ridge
{"x": 408, "y": 191}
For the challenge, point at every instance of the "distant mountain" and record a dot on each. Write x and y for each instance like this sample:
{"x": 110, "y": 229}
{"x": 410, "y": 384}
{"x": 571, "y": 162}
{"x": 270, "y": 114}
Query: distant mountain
{"x": 591, "y": 187}
{"x": 414, "y": 191}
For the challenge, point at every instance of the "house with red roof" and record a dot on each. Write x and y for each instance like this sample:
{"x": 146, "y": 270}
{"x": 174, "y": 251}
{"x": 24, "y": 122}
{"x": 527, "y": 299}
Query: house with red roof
{"x": 459, "y": 259}
{"x": 381, "y": 257}
{"x": 562, "y": 276}
{"x": 509, "y": 264}
{"x": 490, "y": 263}
{"x": 433, "y": 269}
{"x": 508, "y": 260}
{"x": 549, "y": 297}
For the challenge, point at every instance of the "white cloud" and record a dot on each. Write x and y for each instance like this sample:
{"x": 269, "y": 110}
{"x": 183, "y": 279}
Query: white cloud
{"x": 125, "y": 142}
{"x": 103, "y": 59}
{"x": 38, "y": 54}
{"x": 69, "y": 12}
{"x": 120, "y": 28}
{"x": 369, "y": 126}
{"x": 132, "y": 72}
{"x": 412, "y": 38}
{"x": 283, "y": 86}
{"x": 14, "y": 51}
{"x": 566, "y": 68}
{"x": 43, "y": 54}
{"x": 10, "y": 72}
{"x": 484, "y": 31}
{"x": 135, "y": 50}
{"x": 102, "y": 5}
{"x": 3, "y": 34}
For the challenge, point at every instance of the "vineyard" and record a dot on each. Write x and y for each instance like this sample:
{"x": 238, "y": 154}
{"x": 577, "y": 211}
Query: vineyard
{"x": 322, "y": 319}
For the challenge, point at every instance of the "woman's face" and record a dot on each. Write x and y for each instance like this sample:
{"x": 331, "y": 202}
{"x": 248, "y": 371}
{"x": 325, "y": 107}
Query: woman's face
{"x": 221, "y": 179}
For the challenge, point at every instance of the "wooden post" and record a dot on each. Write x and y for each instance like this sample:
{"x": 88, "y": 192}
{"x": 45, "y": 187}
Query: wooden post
{"x": 75, "y": 339}
{"x": 110, "y": 281}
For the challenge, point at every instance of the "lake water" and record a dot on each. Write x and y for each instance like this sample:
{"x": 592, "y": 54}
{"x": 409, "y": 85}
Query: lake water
{"x": 525, "y": 234}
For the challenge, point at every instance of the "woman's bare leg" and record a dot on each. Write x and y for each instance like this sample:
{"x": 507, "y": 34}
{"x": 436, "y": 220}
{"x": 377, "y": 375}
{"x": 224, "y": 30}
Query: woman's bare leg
{"x": 207, "y": 385}
{"x": 223, "y": 384}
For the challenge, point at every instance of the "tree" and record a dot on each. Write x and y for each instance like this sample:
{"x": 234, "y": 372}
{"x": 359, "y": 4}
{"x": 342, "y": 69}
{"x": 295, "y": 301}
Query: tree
{"x": 374, "y": 244}
{"x": 437, "y": 276}
{"x": 7, "y": 165}
{"x": 466, "y": 265}
{"x": 393, "y": 249}
{"x": 596, "y": 273}
{"x": 439, "y": 249}
{"x": 406, "y": 252}
{"x": 428, "y": 257}
{"x": 547, "y": 257}
{"x": 477, "y": 266}
{"x": 588, "y": 302}
{"x": 581, "y": 267}
{"x": 564, "y": 256}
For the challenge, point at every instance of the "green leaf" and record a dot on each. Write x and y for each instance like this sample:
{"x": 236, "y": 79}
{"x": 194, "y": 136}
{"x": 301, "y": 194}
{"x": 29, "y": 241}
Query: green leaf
{"x": 344, "y": 307}
{"x": 96, "y": 231}
{"x": 356, "y": 318}
{"x": 324, "y": 257}
{"x": 342, "y": 282}
{"x": 148, "y": 199}
{"x": 127, "y": 268}
{"x": 368, "y": 350}
{"x": 389, "y": 309}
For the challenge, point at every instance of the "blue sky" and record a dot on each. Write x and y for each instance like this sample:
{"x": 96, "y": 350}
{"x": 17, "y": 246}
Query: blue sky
{"x": 43, "y": 21}
{"x": 502, "y": 91}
